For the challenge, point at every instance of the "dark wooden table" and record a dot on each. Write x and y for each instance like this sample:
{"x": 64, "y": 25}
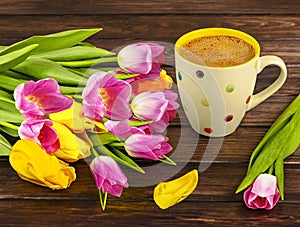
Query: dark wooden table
{"x": 275, "y": 24}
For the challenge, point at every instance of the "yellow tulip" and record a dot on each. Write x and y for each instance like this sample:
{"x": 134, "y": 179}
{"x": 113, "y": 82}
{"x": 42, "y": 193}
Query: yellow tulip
{"x": 167, "y": 194}
{"x": 162, "y": 83}
{"x": 33, "y": 164}
{"x": 72, "y": 146}
{"x": 73, "y": 119}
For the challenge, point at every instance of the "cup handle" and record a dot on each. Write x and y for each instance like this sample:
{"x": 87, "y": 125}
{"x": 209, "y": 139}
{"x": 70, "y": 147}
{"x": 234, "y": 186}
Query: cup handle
{"x": 266, "y": 93}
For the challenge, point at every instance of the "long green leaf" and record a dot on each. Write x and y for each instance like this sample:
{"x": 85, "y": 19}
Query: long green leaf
{"x": 54, "y": 41}
{"x": 8, "y": 130}
{"x": 71, "y": 90}
{"x": 9, "y": 83}
{"x": 8, "y": 116}
{"x": 14, "y": 58}
{"x": 5, "y": 146}
{"x": 276, "y": 126}
{"x": 9, "y": 107}
{"x": 42, "y": 68}
{"x": 7, "y": 97}
{"x": 75, "y": 53}
{"x": 16, "y": 75}
{"x": 279, "y": 172}
{"x": 88, "y": 62}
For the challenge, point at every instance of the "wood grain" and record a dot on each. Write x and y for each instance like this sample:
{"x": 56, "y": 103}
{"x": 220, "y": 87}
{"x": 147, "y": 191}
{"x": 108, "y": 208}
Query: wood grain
{"x": 168, "y": 27}
{"x": 106, "y": 7}
{"x": 217, "y": 183}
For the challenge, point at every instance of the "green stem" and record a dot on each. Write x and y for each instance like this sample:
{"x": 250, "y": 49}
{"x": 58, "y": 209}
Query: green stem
{"x": 9, "y": 125}
{"x": 94, "y": 152}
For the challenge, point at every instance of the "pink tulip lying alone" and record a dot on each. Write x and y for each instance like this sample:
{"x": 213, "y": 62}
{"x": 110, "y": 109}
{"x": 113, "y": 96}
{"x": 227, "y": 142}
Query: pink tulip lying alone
{"x": 263, "y": 193}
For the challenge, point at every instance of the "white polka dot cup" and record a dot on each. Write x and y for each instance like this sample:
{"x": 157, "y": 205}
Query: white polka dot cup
{"x": 215, "y": 99}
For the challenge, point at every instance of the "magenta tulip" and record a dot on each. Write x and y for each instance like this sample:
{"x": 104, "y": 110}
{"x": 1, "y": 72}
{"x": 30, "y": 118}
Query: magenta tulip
{"x": 263, "y": 193}
{"x": 151, "y": 147}
{"x": 142, "y": 58}
{"x": 35, "y": 99}
{"x": 105, "y": 96}
{"x": 41, "y": 132}
{"x": 108, "y": 175}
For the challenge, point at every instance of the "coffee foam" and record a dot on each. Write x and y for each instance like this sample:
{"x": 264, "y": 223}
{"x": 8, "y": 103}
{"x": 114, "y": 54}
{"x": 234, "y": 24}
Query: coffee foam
{"x": 217, "y": 51}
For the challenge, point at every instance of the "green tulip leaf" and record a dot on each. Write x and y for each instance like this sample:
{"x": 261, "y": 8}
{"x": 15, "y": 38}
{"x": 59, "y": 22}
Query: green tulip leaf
{"x": 75, "y": 53}
{"x": 5, "y": 146}
{"x": 14, "y": 58}
{"x": 54, "y": 41}
{"x": 42, "y": 68}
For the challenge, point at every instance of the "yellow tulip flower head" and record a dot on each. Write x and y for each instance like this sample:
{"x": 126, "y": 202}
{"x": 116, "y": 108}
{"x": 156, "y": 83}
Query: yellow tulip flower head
{"x": 72, "y": 146}
{"x": 33, "y": 164}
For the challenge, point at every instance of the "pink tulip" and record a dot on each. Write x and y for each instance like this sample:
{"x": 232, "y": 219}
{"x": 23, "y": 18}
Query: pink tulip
{"x": 35, "y": 99}
{"x": 142, "y": 58}
{"x": 149, "y": 106}
{"x": 263, "y": 193}
{"x": 108, "y": 175}
{"x": 105, "y": 96}
{"x": 41, "y": 132}
{"x": 122, "y": 128}
{"x": 151, "y": 147}
{"x": 161, "y": 124}
{"x": 157, "y": 106}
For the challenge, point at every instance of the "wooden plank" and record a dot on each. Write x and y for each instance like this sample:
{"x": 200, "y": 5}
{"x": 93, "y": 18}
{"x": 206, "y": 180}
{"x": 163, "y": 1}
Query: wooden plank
{"x": 87, "y": 213}
{"x": 167, "y": 27}
{"x": 106, "y": 7}
{"x": 217, "y": 183}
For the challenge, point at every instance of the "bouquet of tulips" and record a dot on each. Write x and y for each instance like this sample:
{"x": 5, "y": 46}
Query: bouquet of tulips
{"x": 62, "y": 103}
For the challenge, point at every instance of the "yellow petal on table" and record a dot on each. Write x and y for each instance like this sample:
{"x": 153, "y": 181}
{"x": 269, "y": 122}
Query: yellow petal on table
{"x": 33, "y": 164}
{"x": 169, "y": 193}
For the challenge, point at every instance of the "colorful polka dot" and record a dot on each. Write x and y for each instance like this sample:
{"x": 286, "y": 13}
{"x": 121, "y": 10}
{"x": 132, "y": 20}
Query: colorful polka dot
{"x": 228, "y": 118}
{"x": 200, "y": 74}
{"x": 248, "y": 99}
{"x": 205, "y": 102}
{"x": 208, "y": 130}
{"x": 230, "y": 88}
{"x": 179, "y": 76}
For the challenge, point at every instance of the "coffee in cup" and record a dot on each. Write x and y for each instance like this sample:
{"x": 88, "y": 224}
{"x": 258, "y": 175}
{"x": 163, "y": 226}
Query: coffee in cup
{"x": 217, "y": 51}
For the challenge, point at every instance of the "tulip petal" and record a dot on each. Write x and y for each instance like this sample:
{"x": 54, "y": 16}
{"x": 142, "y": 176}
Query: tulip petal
{"x": 167, "y": 194}
{"x": 264, "y": 185}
